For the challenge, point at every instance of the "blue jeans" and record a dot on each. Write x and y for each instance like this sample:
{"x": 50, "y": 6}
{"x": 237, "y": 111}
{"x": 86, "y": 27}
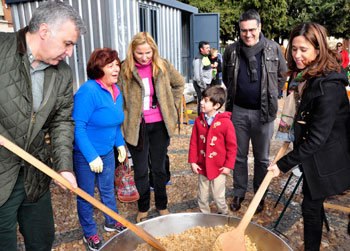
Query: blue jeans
{"x": 105, "y": 184}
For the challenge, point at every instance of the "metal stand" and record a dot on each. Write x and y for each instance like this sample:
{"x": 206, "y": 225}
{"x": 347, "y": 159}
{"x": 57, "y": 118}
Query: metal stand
{"x": 290, "y": 198}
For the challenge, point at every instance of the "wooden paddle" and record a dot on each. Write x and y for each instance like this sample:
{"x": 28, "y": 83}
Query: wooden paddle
{"x": 54, "y": 175}
{"x": 234, "y": 240}
{"x": 337, "y": 207}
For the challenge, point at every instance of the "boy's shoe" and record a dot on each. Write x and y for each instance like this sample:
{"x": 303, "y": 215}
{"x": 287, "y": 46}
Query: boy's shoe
{"x": 117, "y": 227}
{"x": 94, "y": 243}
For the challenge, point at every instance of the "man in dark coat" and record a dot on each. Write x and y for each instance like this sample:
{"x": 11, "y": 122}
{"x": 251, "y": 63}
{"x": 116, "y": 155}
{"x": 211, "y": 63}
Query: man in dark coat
{"x": 252, "y": 73}
{"x": 36, "y": 100}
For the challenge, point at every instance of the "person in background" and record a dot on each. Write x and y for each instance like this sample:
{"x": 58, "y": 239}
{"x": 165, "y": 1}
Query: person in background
{"x": 213, "y": 149}
{"x": 321, "y": 128}
{"x": 252, "y": 73}
{"x": 98, "y": 114}
{"x": 152, "y": 91}
{"x": 36, "y": 100}
{"x": 280, "y": 95}
{"x": 344, "y": 54}
{"x": 216, "y": 66}
{"x": 202, "y": 71}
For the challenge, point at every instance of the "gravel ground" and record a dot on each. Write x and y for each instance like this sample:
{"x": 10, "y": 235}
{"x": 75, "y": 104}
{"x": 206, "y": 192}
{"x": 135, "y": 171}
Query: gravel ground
{"x": 290, "y": 228}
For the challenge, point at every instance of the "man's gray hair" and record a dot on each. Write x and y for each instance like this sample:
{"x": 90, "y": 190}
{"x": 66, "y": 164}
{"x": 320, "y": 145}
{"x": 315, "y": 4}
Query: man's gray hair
{"x": 54, "y": 13}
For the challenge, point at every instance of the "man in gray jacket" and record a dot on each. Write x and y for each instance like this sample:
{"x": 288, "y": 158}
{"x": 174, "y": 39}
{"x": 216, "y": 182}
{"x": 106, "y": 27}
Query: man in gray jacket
{"x": 202, "y": 71}
{"x": 36, "y": 100}
{"x": 252, "y": 73}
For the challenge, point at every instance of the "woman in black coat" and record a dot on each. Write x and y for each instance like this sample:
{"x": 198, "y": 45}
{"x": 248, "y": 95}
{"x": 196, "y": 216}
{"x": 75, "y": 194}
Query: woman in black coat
{"x": 321, "y": 127}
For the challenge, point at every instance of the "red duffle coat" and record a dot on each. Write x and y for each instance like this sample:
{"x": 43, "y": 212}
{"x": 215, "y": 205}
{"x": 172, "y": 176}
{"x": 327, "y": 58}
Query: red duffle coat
{"x": 214, "y": 147}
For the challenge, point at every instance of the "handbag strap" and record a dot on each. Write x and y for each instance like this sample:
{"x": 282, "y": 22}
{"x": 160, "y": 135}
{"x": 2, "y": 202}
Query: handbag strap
{"x": 125, "y": 165}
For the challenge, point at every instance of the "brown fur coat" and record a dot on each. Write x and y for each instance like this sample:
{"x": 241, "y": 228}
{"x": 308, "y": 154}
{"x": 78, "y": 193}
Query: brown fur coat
{"x": 169, "y": 90}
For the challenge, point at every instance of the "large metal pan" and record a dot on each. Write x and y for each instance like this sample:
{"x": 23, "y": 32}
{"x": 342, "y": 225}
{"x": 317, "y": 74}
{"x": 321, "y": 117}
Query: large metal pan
{"x": 177, "y": 223}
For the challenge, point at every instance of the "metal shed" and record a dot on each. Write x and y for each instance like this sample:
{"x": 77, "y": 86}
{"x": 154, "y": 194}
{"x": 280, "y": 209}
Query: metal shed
{"x": 112, "y": 23}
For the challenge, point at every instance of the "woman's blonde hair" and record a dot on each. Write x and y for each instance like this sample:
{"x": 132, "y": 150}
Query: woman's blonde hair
{"x": 140, "y": 39}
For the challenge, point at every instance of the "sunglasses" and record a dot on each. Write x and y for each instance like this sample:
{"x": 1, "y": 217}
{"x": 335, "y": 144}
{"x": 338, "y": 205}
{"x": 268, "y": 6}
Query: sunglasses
{"x": 339, "y": 45}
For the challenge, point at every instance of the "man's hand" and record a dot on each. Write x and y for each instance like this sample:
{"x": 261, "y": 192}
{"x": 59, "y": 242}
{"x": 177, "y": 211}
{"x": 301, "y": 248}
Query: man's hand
{"x": 1, "y": 143}
{"x": 225, "y": 170}
{"x": 195, "y": 168}
{"x": 276, "y": 171}
{"x": 68, "y": 176}
{"x": 96, "y": 165}
{"x": 121, "y": 154}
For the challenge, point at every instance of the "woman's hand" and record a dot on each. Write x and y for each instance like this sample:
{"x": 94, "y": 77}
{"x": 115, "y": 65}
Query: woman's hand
{"x": 121, "y": 153}
{"x": 195, "y": 168}
{"x": 96, "y": 165}
{"x": 274, "y": 168}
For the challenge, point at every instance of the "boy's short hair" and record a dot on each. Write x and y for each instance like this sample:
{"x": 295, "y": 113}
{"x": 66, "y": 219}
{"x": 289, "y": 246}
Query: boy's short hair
{"x": 216, "y": 94}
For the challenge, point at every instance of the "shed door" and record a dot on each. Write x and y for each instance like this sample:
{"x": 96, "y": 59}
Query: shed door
{"x": 206, "y": 27}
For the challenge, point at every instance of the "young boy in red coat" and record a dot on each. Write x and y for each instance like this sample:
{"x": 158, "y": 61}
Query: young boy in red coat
{"x": 213, "y": 149}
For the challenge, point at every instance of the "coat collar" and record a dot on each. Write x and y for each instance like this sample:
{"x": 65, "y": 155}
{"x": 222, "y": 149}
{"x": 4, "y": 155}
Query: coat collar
{"x": 22, "y": 50}
{"x": 21, "y": 41}
{"x": 315, "y": 85}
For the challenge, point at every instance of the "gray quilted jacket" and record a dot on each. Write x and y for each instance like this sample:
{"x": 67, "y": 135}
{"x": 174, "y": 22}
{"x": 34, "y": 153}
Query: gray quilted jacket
{"x": 20, "y": 124}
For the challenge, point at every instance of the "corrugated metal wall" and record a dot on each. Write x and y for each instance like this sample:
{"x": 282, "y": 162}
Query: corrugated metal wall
{"x": 112, "y": 23}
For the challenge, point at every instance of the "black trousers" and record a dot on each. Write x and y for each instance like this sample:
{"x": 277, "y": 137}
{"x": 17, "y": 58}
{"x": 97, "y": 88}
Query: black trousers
{"x": 167, "y": 167}
{"x": 155, "y": 148}
{"x": 313, "y": 215}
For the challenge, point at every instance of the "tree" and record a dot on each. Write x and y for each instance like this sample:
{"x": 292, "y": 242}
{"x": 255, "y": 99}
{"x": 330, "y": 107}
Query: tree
{"x": 333, "y": 14}
{"x": 279, "y": 16}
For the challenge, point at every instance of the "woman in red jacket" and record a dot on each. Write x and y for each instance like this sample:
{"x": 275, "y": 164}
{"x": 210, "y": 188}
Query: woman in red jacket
{"x": 344, "y": 54}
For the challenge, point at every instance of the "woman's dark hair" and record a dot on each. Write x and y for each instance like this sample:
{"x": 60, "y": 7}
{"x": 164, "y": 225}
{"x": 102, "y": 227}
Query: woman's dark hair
{"x": 326, "y": 61}
{"x": 99, "y": 59}
{"x": 216, "y": 94}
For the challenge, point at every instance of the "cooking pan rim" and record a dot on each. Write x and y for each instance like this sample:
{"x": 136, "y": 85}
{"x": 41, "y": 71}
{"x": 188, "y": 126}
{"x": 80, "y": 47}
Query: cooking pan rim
{"x": 194, "y": 214}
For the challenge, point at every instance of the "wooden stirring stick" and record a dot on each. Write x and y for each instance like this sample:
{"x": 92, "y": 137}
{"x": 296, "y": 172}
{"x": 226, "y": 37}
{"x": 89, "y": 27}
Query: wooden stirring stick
{"x": 234, "y": 240}
{"x": 54, "y": 175}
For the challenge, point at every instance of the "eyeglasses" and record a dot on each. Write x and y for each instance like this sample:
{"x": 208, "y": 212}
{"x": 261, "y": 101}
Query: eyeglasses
{"x": 253, "y": 30}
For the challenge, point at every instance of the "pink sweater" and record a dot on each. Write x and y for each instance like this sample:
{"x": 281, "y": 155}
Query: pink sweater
{"x": 150, "y": 115}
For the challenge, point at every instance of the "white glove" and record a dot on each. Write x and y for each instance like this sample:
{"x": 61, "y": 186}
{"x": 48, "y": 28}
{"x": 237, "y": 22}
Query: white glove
{"x": 96, "y": 165}
{"x": 121, "y": 153}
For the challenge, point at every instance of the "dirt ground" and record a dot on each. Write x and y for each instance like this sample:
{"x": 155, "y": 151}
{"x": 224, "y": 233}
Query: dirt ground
{"x": 290, "y": 228}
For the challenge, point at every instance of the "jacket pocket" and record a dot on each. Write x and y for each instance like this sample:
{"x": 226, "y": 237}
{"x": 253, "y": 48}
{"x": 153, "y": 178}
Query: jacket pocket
{"x": 272, "y": 64}
{"x": 331, "y": 159}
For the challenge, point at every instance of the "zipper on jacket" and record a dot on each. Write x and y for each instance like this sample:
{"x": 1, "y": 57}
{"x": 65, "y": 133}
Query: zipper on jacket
{"x": 48, "y": 93}
{"x": 43, "y": 103}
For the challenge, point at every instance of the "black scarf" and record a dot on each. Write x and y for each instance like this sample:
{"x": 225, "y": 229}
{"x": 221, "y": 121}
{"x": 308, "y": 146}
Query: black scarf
{"x": 249, "y": 53}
